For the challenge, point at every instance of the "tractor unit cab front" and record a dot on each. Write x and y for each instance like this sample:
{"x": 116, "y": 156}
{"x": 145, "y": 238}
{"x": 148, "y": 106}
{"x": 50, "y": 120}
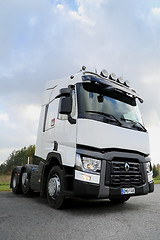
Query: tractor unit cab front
{"x": 91, "y": 140}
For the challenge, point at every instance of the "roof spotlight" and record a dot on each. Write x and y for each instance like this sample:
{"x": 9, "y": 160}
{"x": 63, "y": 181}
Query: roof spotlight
{"x": 120, "y": 80}
{"x": 112, "y": 76}
{"x": 104, "y": 73}
{"x": 127, "y": 83}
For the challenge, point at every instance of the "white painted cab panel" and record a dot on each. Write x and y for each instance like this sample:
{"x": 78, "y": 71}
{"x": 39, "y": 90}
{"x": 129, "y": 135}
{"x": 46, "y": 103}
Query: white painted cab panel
{"x": 102, "y": 135}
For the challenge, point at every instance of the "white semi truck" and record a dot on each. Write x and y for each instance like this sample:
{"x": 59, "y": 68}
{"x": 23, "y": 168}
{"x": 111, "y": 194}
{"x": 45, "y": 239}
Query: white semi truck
{"x": 91, "y": 141}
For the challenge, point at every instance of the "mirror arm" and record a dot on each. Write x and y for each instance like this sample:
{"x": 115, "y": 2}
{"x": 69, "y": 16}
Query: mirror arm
{"x": 71, "y": 120}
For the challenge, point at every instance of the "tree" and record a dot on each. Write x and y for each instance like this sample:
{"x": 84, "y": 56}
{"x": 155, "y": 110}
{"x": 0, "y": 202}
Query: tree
{"x": 155, "y": 171}
{"x": 19, "y": 158}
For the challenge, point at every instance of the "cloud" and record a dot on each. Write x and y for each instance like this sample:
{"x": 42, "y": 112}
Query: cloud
{"x": 3, "y": 117}
{"x": 156, "y": 12}
{"x": 19, "y": 129}
{"x": 33, "y": 20}
{"x": 43, "y": 40}
{"x": 60, "y": 7}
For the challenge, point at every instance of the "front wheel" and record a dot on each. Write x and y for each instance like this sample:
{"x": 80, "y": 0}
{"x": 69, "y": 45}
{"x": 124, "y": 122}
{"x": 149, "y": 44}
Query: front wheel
{"x": 55, "y": 187}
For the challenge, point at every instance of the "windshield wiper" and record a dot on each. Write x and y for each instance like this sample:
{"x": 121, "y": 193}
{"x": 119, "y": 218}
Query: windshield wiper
{"x": 107, "y": 115}
{"x": 135, "y": 123}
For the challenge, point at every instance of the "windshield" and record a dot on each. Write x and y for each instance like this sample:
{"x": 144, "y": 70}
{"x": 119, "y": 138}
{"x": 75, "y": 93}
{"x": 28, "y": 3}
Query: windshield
{"x": 97, "y": 100}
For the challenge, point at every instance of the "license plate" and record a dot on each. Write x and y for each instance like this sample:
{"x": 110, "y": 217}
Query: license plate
{"x": 125, "y": 191}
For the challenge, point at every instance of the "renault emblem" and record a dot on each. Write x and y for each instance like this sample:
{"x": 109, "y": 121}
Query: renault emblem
{"x": 126, "y": 166}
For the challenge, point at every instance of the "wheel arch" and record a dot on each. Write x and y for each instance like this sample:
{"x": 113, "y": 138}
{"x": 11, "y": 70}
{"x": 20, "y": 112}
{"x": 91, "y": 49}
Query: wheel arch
{"x": 53, "y": 159}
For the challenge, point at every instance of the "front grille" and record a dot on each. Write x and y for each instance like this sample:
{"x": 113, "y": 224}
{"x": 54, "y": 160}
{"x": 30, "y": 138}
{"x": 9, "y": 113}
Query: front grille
{"x": 119, "y": 167}
{"x": 126, "y": 180}
{"x": 124, "y": 173}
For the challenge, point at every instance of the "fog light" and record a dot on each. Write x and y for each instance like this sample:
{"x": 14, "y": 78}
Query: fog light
{"x": 86, "y": 177}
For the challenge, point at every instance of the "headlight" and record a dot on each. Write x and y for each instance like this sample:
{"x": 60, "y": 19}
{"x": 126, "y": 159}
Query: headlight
{"x": 91, "y": 164}
{"x": 88, "y": 164}
{"x": 148, "y": 167}
{"x": 149, "y": 171}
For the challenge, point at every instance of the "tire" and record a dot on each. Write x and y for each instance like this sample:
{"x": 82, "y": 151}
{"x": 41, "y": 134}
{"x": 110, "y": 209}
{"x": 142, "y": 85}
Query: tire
{"x": 26, "y": 183}
{"x": 16, "y": 184}
{"x": 55, "y": 187}
{"x": 119, "y": 200}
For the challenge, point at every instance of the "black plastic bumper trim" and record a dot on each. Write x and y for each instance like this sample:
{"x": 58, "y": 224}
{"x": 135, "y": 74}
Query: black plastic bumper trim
{"x": 151, "y": 187}
{"x": 86, "y": 190}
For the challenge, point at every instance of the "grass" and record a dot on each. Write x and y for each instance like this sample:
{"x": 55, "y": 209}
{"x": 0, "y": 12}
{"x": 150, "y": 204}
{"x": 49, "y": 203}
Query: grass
{"x": 4, "y": 188}
{"x": 5, "y": 183}
{"x": 157, "y": 180}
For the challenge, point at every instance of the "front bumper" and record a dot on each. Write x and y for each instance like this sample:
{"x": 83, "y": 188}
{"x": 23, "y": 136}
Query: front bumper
{"x": 90, "y": 190}
{"x": 104, "y": 188}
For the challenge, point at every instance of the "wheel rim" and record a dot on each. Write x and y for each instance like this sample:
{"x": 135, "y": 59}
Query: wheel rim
{"x": 54, "y": 187}
{"x": 24, "y": 179}
{"x": 14, "y": 181}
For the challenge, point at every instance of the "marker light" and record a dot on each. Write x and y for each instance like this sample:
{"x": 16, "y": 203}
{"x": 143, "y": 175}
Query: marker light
{"x": 112, "y": 76}
{"x": 83, "y": 68}
{"x": 71, "y": 77}
{"x": 104, "y": 73}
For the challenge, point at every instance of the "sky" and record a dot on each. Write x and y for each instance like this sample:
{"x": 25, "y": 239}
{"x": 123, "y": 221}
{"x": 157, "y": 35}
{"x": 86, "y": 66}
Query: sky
{"x": 42, "y": 40}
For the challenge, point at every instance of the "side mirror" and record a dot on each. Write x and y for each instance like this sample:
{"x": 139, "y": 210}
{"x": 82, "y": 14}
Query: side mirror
{"x": 64, "y": 92}
{"x": 65, "y": 104}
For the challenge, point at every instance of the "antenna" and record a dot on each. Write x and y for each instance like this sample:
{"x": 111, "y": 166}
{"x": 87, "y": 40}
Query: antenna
{"x": 95, "y": 68}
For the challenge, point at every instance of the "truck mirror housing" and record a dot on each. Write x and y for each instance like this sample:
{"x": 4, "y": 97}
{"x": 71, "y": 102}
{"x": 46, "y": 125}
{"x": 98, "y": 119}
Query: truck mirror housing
{"x": 65, "y": 92}
{"x": 65, "y": 105}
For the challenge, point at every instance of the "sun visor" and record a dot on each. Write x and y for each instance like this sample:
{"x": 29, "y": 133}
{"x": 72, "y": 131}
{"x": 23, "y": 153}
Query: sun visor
{"x": 111, "y": 85}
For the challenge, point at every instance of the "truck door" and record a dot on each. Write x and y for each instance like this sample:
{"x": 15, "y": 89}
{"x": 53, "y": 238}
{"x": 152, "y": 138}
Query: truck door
{"x": 49, "y": 126}
{"x": 65, "y": 134}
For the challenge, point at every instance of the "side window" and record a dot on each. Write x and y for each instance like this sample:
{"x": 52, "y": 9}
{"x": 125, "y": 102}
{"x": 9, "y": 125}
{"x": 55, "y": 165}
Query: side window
{"x": 51, "y": 114}
{"x": 73, "y": 113}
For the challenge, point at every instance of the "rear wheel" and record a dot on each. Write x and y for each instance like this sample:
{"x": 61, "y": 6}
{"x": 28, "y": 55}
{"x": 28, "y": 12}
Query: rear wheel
{"x": 119, "y": 200}
{"x": 55, "y": 187}
{"x": 26, "y": 183}
{"x": 16, "y": 185}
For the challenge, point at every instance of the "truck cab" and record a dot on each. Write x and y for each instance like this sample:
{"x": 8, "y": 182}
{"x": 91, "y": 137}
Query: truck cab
{"x": 91, "y": 140}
